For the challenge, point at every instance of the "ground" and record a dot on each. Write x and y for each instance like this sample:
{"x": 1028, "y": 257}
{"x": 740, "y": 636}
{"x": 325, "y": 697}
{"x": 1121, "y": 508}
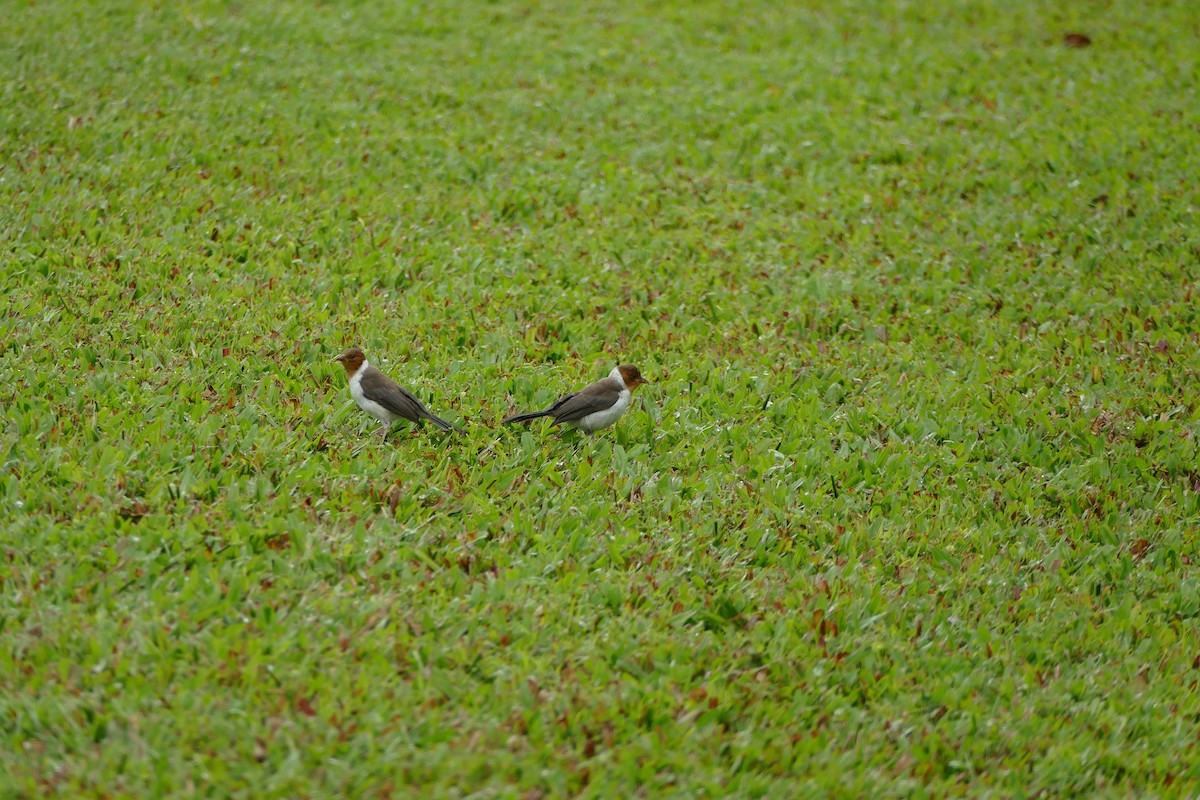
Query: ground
{"x": 910, "y": 509}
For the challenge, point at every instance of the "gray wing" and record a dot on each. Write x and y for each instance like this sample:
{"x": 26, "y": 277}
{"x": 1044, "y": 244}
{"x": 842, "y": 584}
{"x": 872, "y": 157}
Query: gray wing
{"x": 392, "y": 396}
{"x": 579, "y": 405}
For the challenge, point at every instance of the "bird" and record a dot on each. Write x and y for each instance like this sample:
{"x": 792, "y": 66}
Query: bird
{"x": 382, "y": 397}
{"x": 593, "y": 407}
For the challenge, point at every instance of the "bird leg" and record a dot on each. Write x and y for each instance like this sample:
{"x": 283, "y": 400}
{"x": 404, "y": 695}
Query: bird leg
{"x": 384, "y": 430}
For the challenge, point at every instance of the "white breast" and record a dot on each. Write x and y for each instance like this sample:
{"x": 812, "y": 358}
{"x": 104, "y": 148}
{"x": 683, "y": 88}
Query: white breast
{"x": 370, "y": 406}
{"x": 602, "y": 419}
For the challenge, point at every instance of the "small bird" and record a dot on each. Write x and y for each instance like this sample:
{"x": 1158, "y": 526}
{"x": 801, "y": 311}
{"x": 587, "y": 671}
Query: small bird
{"x": 596, "y": 406}
{"x": 382, "y": 397}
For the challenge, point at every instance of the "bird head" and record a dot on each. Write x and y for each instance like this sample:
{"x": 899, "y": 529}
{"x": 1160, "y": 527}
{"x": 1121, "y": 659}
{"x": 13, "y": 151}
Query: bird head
{"x": 631, "y": 376}
{"x": 352, "y": 359}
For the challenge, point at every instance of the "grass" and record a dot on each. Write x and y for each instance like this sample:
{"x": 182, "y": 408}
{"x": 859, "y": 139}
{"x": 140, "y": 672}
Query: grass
{"x": 911, "y": 509}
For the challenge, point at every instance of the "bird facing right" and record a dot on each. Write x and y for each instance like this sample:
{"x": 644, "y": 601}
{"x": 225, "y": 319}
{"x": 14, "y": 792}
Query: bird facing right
{"x": 595, "y": 406}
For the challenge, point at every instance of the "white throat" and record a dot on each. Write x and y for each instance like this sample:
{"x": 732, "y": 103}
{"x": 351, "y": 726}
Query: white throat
{"x": 356, "y": 381}
{"x": 356, "y": 378}
{"x": 365, "y": 403}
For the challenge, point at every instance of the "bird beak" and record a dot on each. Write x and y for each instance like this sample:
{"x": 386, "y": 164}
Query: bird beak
{"x": 340, "y": 358}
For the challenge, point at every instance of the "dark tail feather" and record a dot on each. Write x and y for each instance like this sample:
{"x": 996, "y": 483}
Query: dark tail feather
{"x": 525, "y": 417}
{"x": 446, "y": 426}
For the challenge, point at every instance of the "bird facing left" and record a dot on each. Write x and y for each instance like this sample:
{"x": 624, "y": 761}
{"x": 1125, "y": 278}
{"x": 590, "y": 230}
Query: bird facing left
{"x": 383, "y": 398}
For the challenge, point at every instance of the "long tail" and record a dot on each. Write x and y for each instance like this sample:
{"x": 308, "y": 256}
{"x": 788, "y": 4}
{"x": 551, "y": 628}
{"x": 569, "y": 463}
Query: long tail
{"x": 526, "y": 417}
{"x": 441, "y": 423}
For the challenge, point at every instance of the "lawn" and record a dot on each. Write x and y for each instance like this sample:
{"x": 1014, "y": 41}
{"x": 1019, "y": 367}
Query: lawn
{"x": 911, "y": 508}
